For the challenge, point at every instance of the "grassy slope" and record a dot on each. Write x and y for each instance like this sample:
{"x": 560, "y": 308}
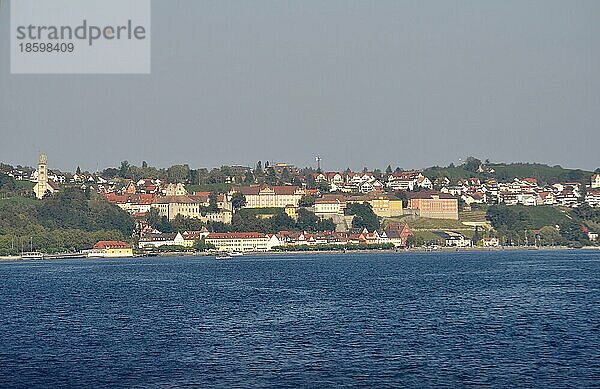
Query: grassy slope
{"x": 18, "y": 200}
{"x": 544, "y": 215}
{"x": 25, "y": 185}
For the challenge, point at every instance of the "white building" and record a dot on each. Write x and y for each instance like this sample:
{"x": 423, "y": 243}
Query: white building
{"x": 242, "y": 241}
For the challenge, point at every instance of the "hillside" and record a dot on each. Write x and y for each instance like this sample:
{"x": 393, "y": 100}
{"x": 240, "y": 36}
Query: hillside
{"x": 69, "y": 220}
{"x": 505, "y": 172}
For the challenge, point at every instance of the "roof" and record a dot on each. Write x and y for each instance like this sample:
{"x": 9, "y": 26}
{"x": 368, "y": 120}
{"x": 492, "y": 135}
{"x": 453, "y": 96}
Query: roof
{"x": 235, "y": 235}
{"x": 158, "y": 237}
{"x": 450, "y": 235}
{"x": 407, "y": 175}
{"x": 174, "y": 199}
{"x": 530, "y": 180}
{"x": 428, "y": 194}
{"x": 194, "y": 235}
{"x": 329, "y": 201}
{"x": 111, "y": 244}
{"x": 279, "y": 190}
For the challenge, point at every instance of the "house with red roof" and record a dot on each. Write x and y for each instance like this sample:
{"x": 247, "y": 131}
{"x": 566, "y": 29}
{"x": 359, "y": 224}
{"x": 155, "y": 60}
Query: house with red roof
{"x": 595, "y": 181}
{"x": 111, "y": 249}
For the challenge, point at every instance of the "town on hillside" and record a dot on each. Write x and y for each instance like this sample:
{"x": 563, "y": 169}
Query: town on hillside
{"x": 282, "y": 207}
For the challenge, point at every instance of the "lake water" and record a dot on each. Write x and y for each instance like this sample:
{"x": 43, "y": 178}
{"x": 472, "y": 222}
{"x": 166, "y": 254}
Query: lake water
{"x": 502, "y": 319}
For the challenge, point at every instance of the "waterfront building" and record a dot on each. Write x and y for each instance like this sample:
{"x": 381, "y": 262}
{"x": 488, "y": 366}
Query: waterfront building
{"x": 157, "y": 239}
{"x": 490, "y": 242}
{"x": 111, "y": 249}
{"x": 242, "y": 241}
{"x": 397, "y": 235}
{"x": 454, "y": 239}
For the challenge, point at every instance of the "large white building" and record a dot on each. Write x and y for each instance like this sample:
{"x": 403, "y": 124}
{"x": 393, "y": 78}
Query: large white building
{"x": 242, "y": 241}
{"x": 271, "y": 196}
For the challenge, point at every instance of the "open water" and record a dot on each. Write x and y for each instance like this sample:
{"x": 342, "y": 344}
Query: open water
{"x": 499, "y": 319}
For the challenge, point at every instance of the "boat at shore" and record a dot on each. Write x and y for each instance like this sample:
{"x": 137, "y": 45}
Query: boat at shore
{"x": 32, "y": 255}
{"x": 223, "y": 256}
{"x": 65, "y": 255}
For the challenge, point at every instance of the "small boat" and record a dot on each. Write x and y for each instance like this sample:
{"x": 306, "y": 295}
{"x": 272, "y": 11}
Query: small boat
{"x": 236, "y": 254}
{"x": 32, "y": 255}
{"x": 224, "y": 256}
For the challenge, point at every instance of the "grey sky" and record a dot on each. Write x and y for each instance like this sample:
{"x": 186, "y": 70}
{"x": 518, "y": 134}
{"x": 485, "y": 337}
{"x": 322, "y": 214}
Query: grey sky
{"x": 361, "y": 83}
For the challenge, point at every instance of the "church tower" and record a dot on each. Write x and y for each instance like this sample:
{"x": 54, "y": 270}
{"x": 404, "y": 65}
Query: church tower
{"x": 42, "y": 185}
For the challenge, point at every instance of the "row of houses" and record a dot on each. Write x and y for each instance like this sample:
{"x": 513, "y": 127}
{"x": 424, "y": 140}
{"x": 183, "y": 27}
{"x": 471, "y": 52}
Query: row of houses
{"x": 256, "y": 242}
{"x": 190, "y": 206}
{"x": 366, "y": 182}
{"x": 525, "y": 191}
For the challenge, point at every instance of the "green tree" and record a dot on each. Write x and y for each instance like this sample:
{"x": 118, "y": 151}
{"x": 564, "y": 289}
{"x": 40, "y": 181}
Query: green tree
{"x": 377, "y": 174}
{"x": 472, "y": 164}
{"x": 323, "y": 186}
{"x": 249, "y": 177}
{"x": 326, "y": 225}
{"x": 124, "y": 170}
{"x": 212, "y": 202}
{"x": 307, "y": 221}
{"x": 281, "y": 221}
{"x": 238, "y": 200}
{"x": 503, "y": 216}
{"x": 202, "y": 245}
{"x": 178, "y": 173}
{"x": 286, "y": 177}
{"x": 153, "y": 218}
{"x": 585, "y": 212}
{"x": 215, "y": 226}
{"x": 549, "y": 236}
{"x": 271, "y": 176}
{"x": 306, "y": 201}
{"x": 364, "y": 217}
{"x": 258, "y": 171}
{"x": 245, "y": 222}
{"x": 180, "y": 224}
{"x": 571, "y": 231}
{"x": 7, "y": 183}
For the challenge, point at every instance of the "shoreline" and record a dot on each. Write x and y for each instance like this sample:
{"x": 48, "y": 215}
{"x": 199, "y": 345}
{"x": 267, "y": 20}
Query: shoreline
{"x": 334, "y": 252}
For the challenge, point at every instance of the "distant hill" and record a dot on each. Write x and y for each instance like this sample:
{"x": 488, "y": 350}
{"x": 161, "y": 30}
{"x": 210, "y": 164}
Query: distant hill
{"x": 505, "y": 172}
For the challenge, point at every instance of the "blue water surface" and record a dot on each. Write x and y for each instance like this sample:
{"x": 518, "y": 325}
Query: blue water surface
{"x": 500, "y": 319}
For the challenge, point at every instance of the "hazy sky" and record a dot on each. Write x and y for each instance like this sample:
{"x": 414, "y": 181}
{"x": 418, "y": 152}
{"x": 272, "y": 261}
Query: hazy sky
{"x": 361, "y": 83}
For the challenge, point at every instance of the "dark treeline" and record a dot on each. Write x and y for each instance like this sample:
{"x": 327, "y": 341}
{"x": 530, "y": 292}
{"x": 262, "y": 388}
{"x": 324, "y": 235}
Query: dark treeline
{"x": 245, "y": 220}
{"x": 69, "y": 220}
{"x": 543, "y": 225}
